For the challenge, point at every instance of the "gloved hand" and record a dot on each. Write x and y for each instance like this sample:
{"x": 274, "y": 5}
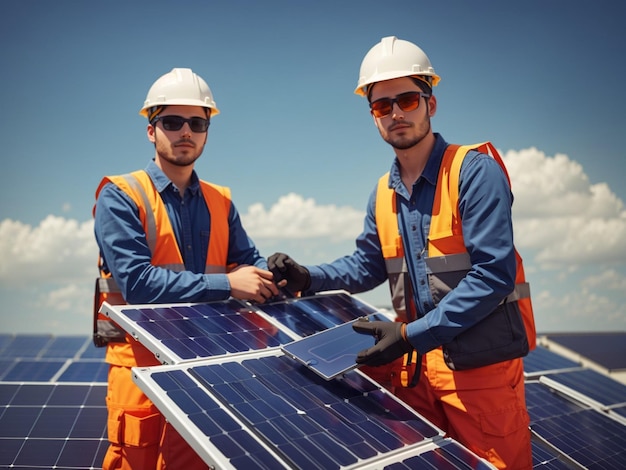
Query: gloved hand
{"x": 391, "y": 342}
{"x": 283, "y": 267}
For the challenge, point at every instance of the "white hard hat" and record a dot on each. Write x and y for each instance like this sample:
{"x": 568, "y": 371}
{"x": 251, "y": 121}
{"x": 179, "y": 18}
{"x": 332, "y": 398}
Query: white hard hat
{"x": 182, "y": 87}
{"x": 394, "y": 58}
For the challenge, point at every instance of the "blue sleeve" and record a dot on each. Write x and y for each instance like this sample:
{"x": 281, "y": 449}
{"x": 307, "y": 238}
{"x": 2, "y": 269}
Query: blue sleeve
{"x": 241, "y": 249}
{"x": 363, "y": 270}
{"x": 485, "y": 201}
{"x": 123, "y": 245}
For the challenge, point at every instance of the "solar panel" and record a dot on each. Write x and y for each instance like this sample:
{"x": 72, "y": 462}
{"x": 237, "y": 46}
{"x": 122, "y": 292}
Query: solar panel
{"x": 265, "y": 410}
{"x": 589, "y": 387}
{"x": 308, "y": 315}
{"x": 45, "y": 423}
{"x": 542, "y": 361}
{"x": 588, "y": 436}
{"x": 331, "y": 352}
{"x": 181, "y": 332}
{"x": 605, "y": 349}
{"x": 58, "y": 425}
{"x": 577, "y": 419}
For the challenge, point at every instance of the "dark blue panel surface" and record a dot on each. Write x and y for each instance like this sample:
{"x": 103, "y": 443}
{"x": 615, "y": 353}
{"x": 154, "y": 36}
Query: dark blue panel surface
{"x": 449, "y": 457}
{"x": 333, "y": 351}
{"x": 26, "y": 346}
{"x": 596, "y": 386}
{"x": 33, "y": 370}
{"x": 605, "y": 349}
{"x": 64, "y": 347}
{"x": 543, "y": 360}
{"x": 312, "y": 423}
{"x": 52, "y": 426}
{"x": 85, "y": 371}
{"x": 205, "y": 330}
{"x": 309, "y": 315}
{"x": 588, "y": 436}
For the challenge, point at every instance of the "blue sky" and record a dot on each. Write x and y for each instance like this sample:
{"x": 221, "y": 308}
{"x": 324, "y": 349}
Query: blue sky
{"x": 540, "y": 79}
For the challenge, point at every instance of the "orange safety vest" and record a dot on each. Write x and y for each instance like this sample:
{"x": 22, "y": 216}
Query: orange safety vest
{"x": 164, "y": 248}
{"x": 448, "y": 262}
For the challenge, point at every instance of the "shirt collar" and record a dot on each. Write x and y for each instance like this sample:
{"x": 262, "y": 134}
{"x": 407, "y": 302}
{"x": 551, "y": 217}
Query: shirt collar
{"x": 431, "y": 170}
{"x": 161, "y": 181}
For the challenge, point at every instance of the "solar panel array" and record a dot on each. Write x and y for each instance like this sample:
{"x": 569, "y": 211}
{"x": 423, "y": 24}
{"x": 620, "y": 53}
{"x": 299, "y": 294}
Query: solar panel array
{"x": 577, "y": 414}
{"x": 52, "y": 402}
{"x": 241, "y": 402}
{"x": 266, "y": 411}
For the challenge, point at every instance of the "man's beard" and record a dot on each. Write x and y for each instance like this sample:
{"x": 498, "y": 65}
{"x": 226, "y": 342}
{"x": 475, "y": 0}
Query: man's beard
{"x": 403, "y": 143}
{"x": 182, "y": 160}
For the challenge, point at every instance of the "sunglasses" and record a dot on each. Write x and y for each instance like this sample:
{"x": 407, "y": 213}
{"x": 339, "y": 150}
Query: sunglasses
{"x": 406, "y": 101}
{"x": 175, "y": 123}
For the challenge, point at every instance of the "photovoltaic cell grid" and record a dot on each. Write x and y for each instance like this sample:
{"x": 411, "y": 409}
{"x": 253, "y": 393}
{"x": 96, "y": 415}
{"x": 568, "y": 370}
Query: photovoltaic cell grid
{"x": 573, "y": 417}
{"x": 333, "y": 351}
{"x": 268, "y": 411}
{"x": 46, "y": 358}
{"x": 75, "y": 367}
{"x": 178, "y": 333}
{"x": 52, "y": 402}
{"x": 52, "y": 426}
{"x": 308, "y": 315}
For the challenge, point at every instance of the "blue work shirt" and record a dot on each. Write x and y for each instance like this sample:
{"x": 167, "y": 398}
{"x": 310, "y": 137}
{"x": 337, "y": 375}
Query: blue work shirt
{"x": 126, "y": 254}
{"x": 485, "y": 201}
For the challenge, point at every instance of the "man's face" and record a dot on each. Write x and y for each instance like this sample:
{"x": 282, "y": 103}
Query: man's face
{"x": 402, "y": 129}
{"x": 180, "y": 147}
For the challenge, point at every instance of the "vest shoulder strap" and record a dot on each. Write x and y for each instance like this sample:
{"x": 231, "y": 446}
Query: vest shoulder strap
{"x": 387, "y": 219}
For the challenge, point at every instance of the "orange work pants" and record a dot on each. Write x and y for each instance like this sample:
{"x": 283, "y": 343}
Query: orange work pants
{"x": 139, "y": 435}
{"x": 484, "y": 408}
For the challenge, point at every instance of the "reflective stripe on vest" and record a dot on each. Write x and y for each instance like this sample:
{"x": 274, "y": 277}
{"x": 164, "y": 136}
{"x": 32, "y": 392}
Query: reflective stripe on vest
{"x": 161, "y": 238}
{"x": 447, "y": 259}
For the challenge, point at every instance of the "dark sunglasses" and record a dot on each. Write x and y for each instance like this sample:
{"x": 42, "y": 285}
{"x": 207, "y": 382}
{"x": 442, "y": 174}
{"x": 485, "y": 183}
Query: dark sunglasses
{"x": 175, "y": 123}
{"x": 406, "y": 101}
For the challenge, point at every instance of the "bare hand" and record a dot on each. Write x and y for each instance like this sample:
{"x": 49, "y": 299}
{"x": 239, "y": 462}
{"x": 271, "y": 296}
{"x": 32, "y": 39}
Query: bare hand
{"x": 252, "y": 283}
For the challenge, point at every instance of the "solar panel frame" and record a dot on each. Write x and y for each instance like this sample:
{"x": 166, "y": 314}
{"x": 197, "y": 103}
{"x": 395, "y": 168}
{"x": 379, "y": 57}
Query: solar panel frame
{"x": 588, "y": 386}
{"x": 232, "y": 403}
{"x": 175, "y": 334}
{"x": 332, "y": 352}
{"x": 573, "y": 428}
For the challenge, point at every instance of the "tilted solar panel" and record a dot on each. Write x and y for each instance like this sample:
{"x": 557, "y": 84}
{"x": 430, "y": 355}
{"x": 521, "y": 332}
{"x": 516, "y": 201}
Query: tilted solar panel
{"x": 542, "y": 361}
{"x": 181, "y": 332}
{"x": 331, "y": 352}
{"x": 587, "y": 436}
{"x": 265, "y": 410}
{"x": 308, "y": 315}
{"x": 589, "y": 387}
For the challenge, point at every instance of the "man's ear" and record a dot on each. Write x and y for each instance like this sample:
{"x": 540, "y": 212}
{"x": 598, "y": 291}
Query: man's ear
{"x": 432, "y": 106}
{"x": 150, "y": 132}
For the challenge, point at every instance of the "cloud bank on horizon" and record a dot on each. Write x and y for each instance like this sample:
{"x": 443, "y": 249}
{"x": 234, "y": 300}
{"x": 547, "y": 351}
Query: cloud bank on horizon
{"x": 571, "y": 233}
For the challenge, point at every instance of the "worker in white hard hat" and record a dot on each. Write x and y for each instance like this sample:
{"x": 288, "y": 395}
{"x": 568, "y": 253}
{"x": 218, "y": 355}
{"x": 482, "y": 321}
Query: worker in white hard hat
{"x": 165, "y": 236}
{"x": 438, "y": 228}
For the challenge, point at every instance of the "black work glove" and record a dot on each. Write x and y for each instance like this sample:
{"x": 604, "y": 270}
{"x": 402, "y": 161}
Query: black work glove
{"x": 390, "y": 342}
{"x": 283, "y": 267}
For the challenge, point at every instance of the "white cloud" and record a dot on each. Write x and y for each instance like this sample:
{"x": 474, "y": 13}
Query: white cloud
{"x": 560, "y": 215}
{"x": 607, "y": 280}
{"x": 57, "y": 250}
{"x": 294, "y": 217}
